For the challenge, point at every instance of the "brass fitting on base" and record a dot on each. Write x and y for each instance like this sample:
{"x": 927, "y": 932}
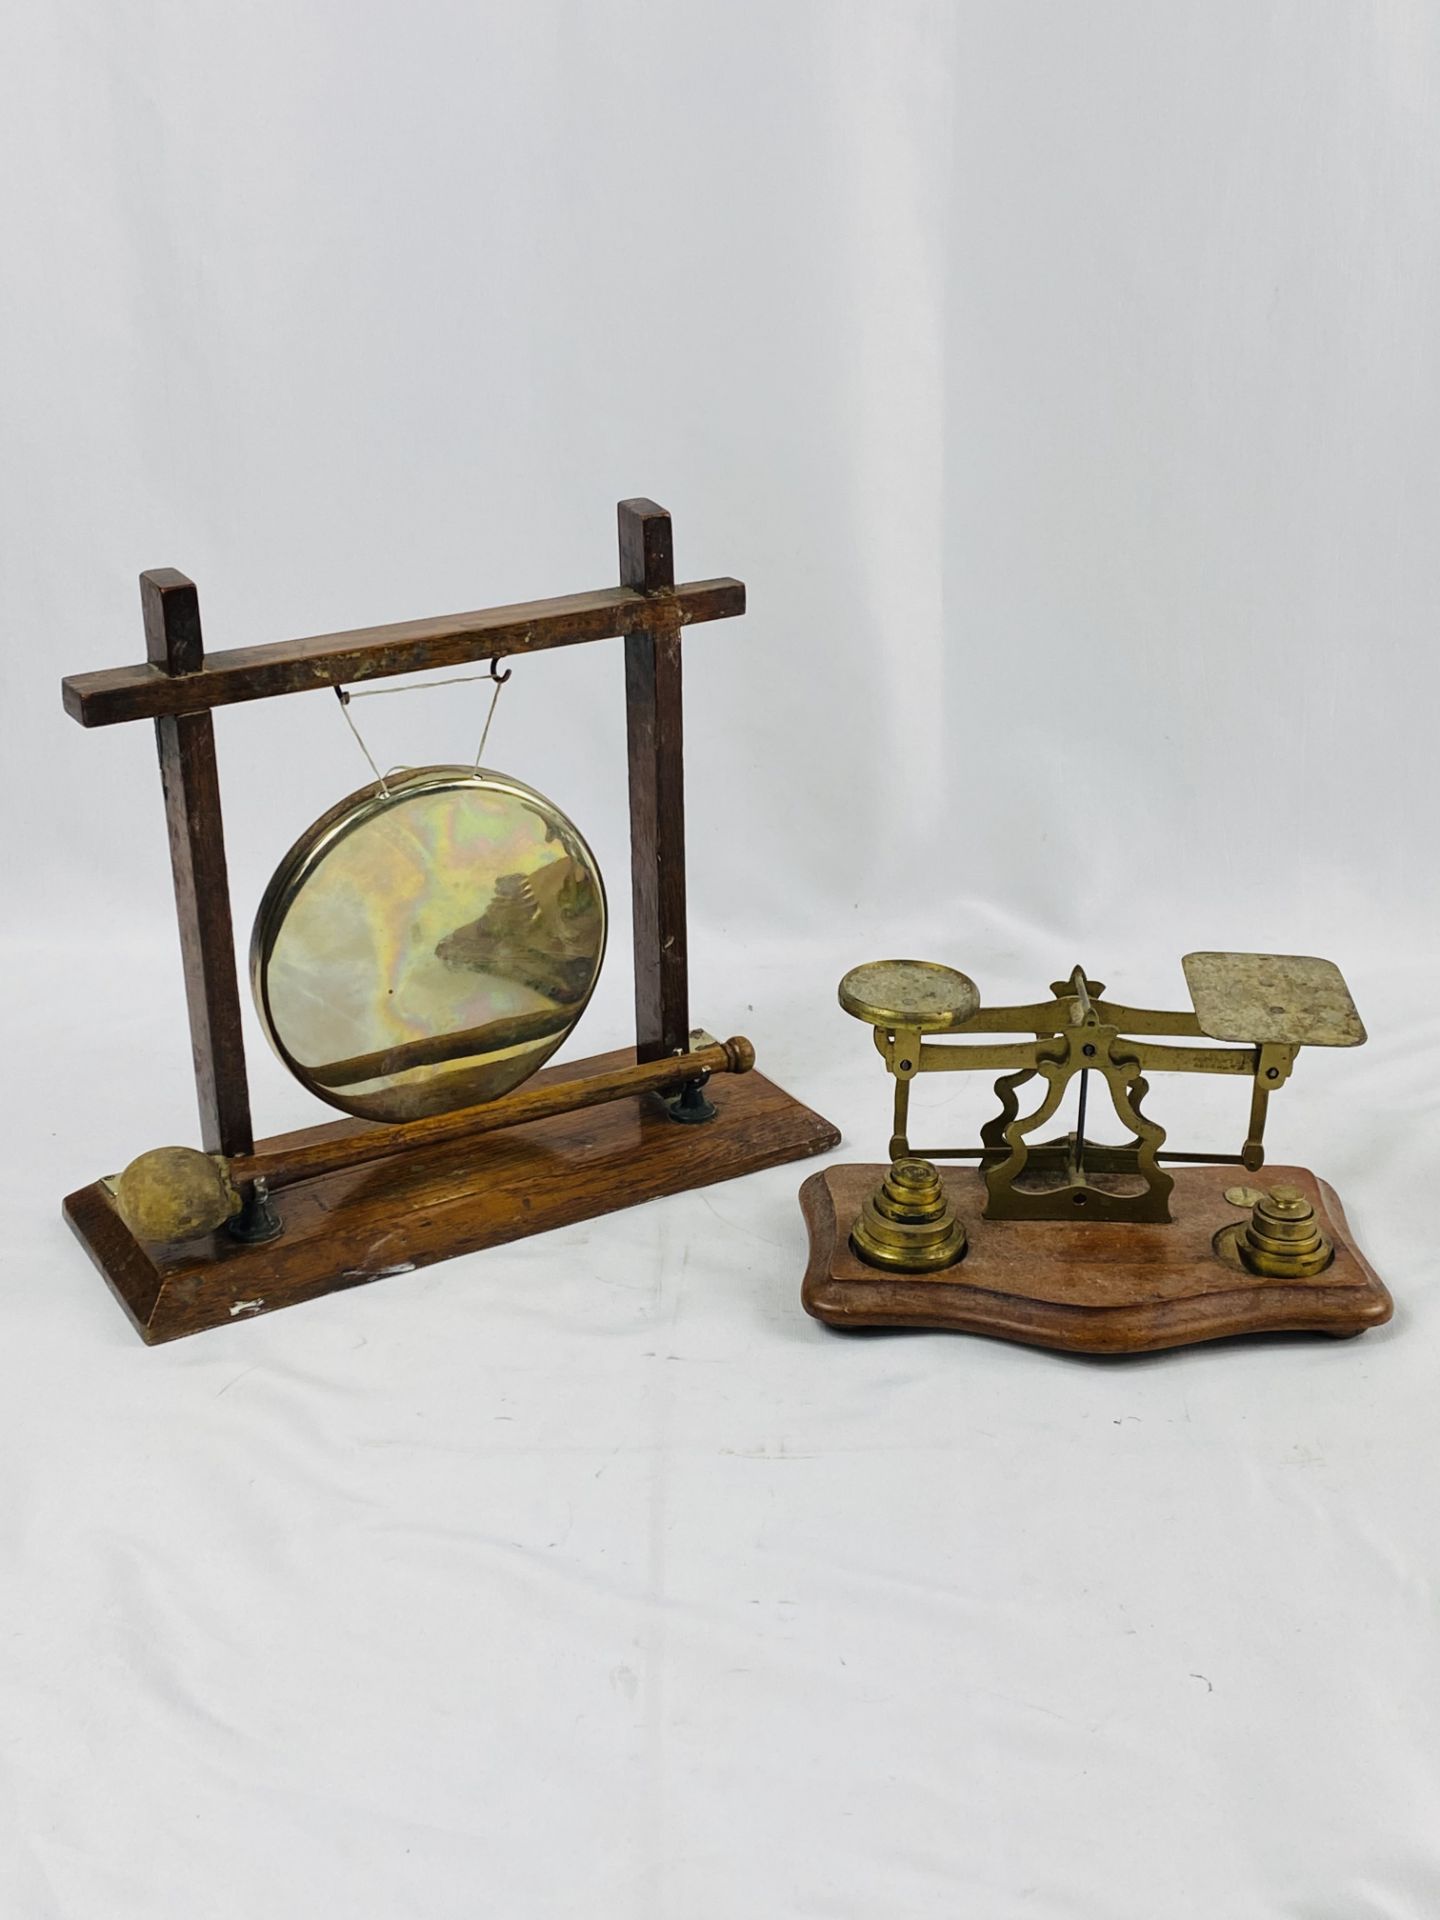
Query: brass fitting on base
{"x": 1282, "y": 1238}
{"x": 908, "y": 1224}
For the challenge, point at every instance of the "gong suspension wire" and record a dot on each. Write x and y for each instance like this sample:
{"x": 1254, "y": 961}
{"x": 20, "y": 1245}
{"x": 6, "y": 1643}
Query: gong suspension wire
{"x": 343, "y": 695}
{"x": 499, "y": 679}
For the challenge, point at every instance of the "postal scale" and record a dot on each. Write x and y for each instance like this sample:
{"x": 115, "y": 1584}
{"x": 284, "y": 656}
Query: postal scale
{"x": 1068, "y": 1242}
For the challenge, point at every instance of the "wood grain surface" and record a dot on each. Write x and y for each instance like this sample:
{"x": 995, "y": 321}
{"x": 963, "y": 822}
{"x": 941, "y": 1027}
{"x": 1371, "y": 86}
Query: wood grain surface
{"x": 1087, "y": 1287}
{"x": 115, "y": 694}
{"x": 190, "y": 780}
{"x": 346, "y": 1229}
{"x": 655, "y": 744}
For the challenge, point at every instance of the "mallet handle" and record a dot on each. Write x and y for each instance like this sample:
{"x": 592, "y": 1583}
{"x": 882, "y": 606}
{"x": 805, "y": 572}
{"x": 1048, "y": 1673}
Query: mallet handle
{"x": 283, "y": 1169}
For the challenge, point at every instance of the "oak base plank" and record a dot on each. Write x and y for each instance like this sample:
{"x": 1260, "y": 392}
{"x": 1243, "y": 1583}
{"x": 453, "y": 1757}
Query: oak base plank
{"x": 346, "y": 1229}
{"x": 1098, "y": 1287}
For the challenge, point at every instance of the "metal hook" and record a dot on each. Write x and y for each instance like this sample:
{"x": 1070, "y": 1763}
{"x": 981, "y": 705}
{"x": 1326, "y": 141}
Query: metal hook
{"x": 499, "y": 678}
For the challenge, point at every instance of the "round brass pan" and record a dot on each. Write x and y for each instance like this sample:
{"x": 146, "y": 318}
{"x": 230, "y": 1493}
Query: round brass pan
{"x": 919, "y": 994}
{"x": 428, "y": 944}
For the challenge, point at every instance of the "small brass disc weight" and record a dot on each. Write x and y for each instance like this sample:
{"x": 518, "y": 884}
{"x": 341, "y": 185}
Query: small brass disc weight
{"x": 428, "y": 943}
{"x": 918, "y": 994}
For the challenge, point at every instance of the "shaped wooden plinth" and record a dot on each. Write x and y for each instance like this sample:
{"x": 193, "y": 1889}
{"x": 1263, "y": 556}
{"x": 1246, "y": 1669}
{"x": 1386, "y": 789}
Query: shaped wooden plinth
{"x": 344, "y": 1229}
{"x": 1088, "y": 1287}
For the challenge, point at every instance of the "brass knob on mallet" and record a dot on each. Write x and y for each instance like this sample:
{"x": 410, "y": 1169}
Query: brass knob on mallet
{"x": 177, "y": 1193}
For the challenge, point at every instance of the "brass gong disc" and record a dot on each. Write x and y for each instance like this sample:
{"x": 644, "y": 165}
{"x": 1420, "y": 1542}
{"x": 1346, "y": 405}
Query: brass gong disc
{"x": 428, "y": 944}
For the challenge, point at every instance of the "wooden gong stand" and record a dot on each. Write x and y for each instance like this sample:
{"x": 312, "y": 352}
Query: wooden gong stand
{"x": 345, "y": 1228}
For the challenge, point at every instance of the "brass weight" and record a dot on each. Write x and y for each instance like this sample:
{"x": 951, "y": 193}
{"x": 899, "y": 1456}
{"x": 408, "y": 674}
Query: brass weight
{"x": 908, "y": 1223}
{"x": 1281, "y": 1240}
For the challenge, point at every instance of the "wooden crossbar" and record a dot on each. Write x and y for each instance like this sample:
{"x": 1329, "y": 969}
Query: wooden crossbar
{"x": 150, "y": 692}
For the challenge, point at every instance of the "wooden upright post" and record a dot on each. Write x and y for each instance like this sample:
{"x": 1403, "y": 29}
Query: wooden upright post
{"x": 173, "y": 642}
{"x": 657, "y": 791}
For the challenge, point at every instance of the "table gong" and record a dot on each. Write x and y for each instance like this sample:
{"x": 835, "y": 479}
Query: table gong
{"x": 420, "y": 952}
{"x": 1066, "y": 1242}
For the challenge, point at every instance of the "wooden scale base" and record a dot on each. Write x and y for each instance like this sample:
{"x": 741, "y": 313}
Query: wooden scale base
{"x": 1087, "y": 1288}
{"x": 345, "y": 1229}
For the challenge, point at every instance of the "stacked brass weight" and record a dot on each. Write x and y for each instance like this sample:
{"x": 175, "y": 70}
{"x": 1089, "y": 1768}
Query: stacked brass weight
{"x": 908, "y": 1223}
{"x": 1282, "y": 1238}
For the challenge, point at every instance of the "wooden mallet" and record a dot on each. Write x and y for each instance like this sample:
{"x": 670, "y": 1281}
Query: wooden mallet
{"x": 175, "y": 1193}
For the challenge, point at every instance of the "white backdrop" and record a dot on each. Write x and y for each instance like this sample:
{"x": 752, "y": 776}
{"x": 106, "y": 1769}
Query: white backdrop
{"x": 1062, "y": 380}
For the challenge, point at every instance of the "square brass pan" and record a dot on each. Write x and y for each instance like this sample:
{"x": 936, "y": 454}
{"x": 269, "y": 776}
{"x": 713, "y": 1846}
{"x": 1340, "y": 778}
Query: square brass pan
{"x": 1285, "y": 997}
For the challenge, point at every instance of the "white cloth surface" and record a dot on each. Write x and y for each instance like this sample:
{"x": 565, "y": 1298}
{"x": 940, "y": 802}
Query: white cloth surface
{"x": 590, "y": 1576}
{"x": 1062, "y": 381}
